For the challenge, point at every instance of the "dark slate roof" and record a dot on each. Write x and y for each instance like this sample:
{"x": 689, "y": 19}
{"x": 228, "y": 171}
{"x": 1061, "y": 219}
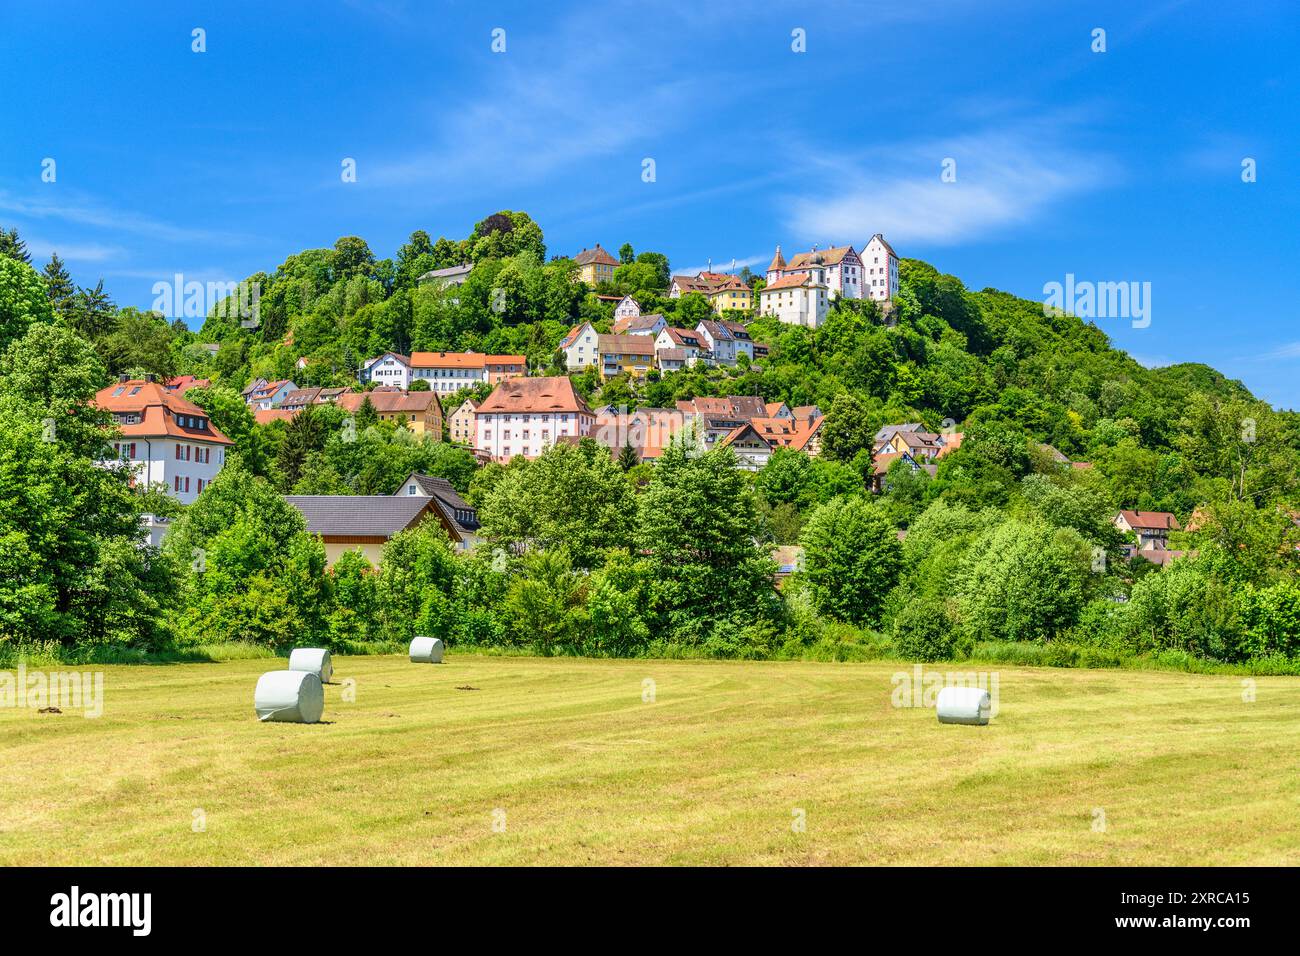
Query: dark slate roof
{"x": 459, "y": 511}
{"x": 370, "y": 515}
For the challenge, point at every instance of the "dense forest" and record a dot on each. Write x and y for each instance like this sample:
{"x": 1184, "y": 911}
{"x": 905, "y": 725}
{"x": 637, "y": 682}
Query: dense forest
{"x": 1004, "y": 552}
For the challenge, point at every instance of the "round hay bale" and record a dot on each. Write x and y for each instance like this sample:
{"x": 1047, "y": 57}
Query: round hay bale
{"x": 295, "y": 697}
{"x": 963, "y": 705}
{"x": 426, "y": 650}
{"x": 313, "y": 660}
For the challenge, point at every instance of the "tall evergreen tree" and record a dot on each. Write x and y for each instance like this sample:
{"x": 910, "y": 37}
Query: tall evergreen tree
{"x": 93, "y": 312}
{"x": 62, "y": 292}
{"x": 13, "y": 247}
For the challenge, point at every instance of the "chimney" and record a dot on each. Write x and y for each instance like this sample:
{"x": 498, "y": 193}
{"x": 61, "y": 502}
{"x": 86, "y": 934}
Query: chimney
{"x": 124, "y": 377}
{"x": 150, "y": 377}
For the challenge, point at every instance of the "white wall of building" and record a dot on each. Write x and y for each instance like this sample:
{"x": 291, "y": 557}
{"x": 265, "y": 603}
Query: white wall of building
{"x": 583, "y": 351}
{"x": 155, "y": 460}
{"x": 507, "y": 434}
{"x": 391, "y": 371}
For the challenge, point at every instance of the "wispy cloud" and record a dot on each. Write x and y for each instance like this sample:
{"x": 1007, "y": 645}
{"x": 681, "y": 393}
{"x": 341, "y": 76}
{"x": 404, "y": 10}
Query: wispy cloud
{"x": 72, "y": 251}
{"x": 1291, "y": 350}
{"x": 550, "y": 103}
{"x": 1005, "y": 177}
{"x": 86, "y": 211}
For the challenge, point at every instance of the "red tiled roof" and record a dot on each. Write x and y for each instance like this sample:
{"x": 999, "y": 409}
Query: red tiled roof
{"x": 550, "y": 394}
{"x": 158, "y": 409}
{"x": 789, "y": 282}
{"x": 1151, "y": 520}
{"x": 462, "y": 360}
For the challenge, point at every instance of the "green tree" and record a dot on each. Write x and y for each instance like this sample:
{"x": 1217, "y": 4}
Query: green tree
{"x": 848, "y": 428}
{"x": 255, "y": 574}
{"x": 13, "y": 247}
{"x": 696, "y": 528}
{"x": 23, "y": 300}
{"x": 59, "y": 286}
{"x": 1025, "y": 581}
{"x": 852, "y": 559}
{"x": 577, "y": 498}
{"x": 415, "y": 586}
{"x": 546, "y": 603}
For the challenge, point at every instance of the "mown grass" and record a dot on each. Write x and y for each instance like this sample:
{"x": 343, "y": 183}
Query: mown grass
{"x": 512, "y": 760}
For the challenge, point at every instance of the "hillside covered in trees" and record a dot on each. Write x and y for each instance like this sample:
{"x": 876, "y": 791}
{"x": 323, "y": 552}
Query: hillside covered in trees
{"x": 1002, "y": 546}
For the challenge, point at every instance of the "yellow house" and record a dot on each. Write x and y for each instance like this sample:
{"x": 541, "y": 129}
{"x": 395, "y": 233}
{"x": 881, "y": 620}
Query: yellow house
{"x": 732, "y": 295}
{"x": 461, "y": 423}
{"x": 595, "y": 266}
{"x": 634, "y": 354}
{"x": 418, "y": 412}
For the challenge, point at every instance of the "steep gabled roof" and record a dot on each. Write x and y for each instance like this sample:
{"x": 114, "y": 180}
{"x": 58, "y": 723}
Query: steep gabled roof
{"x": 456, "y": 509}
{"x": 820, "y": 257}
{"x": 573, "y": 333}
{"x": 389, "y": 402}
{"x": 683, "y": 338}
{"x": 888, "y": 247}
{"x": 630, "y": 325}
{"x": 793, "y": 281}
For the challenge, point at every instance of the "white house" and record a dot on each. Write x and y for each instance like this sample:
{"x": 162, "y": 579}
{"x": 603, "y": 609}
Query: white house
{"x": 456, "y": 275}
{"x": 744, "y": 343}
{"x": 580, "y": 347}
{"x": 390, "y": 368}
{"x": 719, "y": 340}
{"x": 675, "y": 348}
{"x": 524, "y": 416}
{"x": 881, "y": 264}
{"x": 460, "y": 517}
{"x": 262, "y": 394}
{"x": 627, "y": 308}
{"x": 640, "y": 324}
{"x": 840, "y": 268}
{"x": 164, "y": 439}
{"x": 449, "y": 372}
{"x": 798, "y": 299}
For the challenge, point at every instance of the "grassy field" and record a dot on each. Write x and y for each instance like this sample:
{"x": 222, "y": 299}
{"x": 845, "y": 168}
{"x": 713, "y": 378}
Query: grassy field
{"x": 503, "y": 760}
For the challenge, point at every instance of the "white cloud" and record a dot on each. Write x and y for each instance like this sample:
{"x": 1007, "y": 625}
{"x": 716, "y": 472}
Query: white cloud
{"x": 86, "y": 211}
{"x": 1288, "y": 351}
{"x": 1004, "y": 178}
{"x": 549, "y": 103}
{"x": 41, "y": 249}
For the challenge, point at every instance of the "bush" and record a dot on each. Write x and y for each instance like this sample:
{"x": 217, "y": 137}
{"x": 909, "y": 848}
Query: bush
{"x": 923, "y": 631}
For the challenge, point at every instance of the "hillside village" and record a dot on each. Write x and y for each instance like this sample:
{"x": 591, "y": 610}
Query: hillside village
{"x": 592, "y": 451}
{"x": 524, "y": 416}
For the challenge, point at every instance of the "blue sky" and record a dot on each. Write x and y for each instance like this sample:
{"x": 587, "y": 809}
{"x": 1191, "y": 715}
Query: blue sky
{"x": 1115, "y": 166}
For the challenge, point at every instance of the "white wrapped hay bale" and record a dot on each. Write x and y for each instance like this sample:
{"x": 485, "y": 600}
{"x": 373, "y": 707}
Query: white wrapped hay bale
{"x": 295, "y": 697}
{"x": 426, "y": 650}
{"x": 313, "y": 660}
{"x": 963, "y": 705}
